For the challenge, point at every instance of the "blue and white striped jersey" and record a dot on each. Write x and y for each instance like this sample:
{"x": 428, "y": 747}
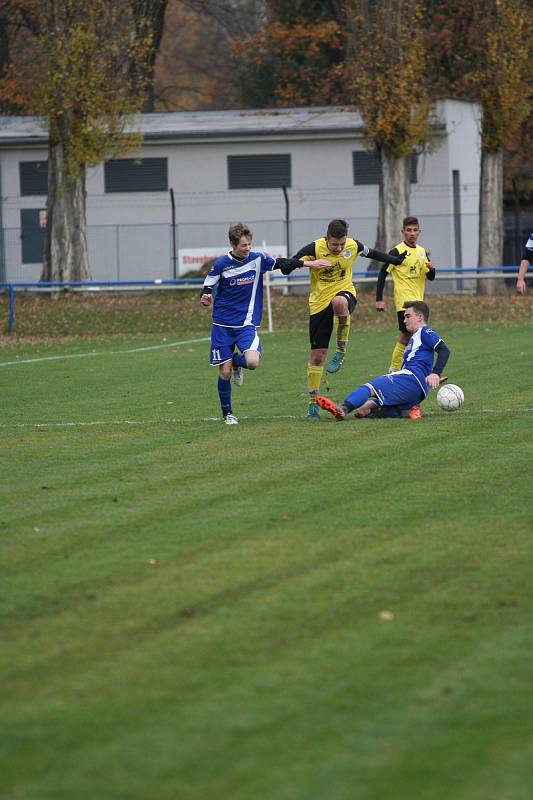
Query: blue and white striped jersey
{"x": 238, "y": 287}
{"x": 419, "y": 355}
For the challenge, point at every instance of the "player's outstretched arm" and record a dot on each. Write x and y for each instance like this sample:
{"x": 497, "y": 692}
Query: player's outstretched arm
{"x": 443, "y": 353}
{"x": 319, "y": 263}
{"x": 287, "y": 265}
{"x": 521, "y": 280}
{"x": 386, "y": 258}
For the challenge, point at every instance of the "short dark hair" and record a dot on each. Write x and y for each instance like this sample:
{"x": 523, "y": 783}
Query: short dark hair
{"x": 419, "y": 306}
{"x": 337, "y": 228}
{"x": 236, "y": 231}
{"x": 410, "y": 221}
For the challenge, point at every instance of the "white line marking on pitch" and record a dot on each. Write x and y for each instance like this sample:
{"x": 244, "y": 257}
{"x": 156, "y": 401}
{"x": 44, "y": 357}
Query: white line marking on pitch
{"x": 181, "y": 421}
{"x": 167, "y": 421}
{"x": 102, "y": 352}
{"x": 88, "y": 424}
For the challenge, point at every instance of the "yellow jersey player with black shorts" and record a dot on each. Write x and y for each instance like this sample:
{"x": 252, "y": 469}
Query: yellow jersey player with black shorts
{"x": 409, "y": 281}
{"x": 332, "y": 294}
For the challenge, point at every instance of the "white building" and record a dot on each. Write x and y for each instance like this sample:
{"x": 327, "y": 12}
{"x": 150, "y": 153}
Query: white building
{"x": 284, "y": 172}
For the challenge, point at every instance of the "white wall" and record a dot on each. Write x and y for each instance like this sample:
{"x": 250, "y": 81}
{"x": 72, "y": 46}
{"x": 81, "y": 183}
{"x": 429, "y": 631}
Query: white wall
{"x": 322, "y": 188}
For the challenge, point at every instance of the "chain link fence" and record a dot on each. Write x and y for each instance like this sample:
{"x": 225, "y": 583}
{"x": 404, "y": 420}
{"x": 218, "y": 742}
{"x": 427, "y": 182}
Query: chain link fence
{"x": 159, "y": 251}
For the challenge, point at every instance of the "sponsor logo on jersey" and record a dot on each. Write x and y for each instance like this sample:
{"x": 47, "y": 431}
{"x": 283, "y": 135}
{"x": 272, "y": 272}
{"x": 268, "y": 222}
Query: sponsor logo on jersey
{"x": 242, "y": 281}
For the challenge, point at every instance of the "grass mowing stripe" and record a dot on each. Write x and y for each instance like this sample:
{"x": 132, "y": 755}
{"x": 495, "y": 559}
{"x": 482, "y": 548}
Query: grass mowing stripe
{"x": 341, "y": 680}
{"x": 94, "y": 353}
{"x": 197, "y": 614}
{"x": 270, "y": 418}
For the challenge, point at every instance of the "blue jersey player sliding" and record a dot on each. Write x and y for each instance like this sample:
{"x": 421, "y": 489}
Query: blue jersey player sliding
{"x": 237, "y": 278}
{"x": 394, "y": 394}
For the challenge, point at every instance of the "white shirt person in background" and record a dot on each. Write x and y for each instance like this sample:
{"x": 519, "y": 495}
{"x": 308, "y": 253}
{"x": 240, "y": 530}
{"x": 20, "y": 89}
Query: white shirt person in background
{"x": 527, "y": 260}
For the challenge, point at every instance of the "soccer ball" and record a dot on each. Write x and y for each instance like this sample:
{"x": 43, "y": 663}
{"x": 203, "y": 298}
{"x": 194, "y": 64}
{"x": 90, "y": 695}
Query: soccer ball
{"x": 450, "y": 397}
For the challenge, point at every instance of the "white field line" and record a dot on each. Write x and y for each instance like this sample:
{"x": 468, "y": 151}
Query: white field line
{"x": 190, "y": 420}
{"x": 133, "y": 422}
{"x": 102, "y": 353}
{"x": 162, "y": 421}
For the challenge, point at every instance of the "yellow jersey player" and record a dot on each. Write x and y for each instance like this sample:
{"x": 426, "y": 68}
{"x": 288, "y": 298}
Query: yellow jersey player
{"x": 409, "y": 281}
{"x": 332, "y": 294}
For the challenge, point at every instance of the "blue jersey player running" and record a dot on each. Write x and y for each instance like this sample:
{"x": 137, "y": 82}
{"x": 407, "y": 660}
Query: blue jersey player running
{"x": 236, "y": 281}
{"x": 394, "y": 394}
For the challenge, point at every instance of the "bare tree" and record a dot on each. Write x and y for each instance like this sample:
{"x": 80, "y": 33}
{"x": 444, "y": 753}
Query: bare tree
{"x": 195, "y": 70}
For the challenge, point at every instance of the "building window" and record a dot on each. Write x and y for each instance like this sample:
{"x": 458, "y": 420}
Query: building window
{"x": 136, "y": 175}
{"x": 259, "y": 172}
{"x": 414, "y": 168}
{"x": 367, "y": 169}
{"x": 32, "y": 231}
{"x": 33, "y": 177}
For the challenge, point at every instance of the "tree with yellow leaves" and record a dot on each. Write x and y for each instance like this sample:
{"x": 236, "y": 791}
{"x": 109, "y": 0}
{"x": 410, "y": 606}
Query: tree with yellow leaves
{"x": 385, "y": 70}
{"x": 502, "y": 77}
{"x": 89, "y": 72}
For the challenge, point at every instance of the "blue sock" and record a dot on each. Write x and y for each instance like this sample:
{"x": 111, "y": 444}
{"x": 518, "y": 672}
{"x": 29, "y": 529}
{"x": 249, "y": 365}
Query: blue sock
{"x": 357, "y": 397}
{"x": 224, "y": 392}
{"x": 239, "y": 360}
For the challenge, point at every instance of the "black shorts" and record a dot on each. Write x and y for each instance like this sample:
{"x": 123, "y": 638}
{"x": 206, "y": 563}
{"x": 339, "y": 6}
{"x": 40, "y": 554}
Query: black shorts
{"x": 401, "y": 323}
{"x": 321, "y": 323}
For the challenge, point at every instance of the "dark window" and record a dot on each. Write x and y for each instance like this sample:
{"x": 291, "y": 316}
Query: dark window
{"x": 259, "y": 172}
{"x": 32, "y": 230}
{"x": 136, "y": 175}
{"x": 414, "y": 168}
{"x": 33, "y": 177}
{"x": 367, "y": 169}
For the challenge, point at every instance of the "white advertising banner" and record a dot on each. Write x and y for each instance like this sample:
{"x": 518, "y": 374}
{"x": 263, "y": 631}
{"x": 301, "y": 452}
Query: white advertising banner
{"x": 193, "y": 258}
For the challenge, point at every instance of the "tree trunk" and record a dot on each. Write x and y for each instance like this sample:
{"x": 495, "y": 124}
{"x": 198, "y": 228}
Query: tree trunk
{"x": 491, "y": 218}
{"x": 66, "y": 256}
{"x": 394, "y": 191}
{"x": 152, "y": 11}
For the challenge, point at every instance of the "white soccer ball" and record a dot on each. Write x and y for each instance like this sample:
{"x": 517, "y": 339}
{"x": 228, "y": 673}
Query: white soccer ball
{"x": 450, "y": 397}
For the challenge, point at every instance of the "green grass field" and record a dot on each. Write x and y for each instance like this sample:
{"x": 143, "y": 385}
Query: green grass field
{"x": 272, "y": 611}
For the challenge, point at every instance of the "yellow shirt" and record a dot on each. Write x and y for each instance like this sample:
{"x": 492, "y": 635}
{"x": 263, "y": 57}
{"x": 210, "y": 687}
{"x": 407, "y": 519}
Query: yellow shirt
{"x": 329, "y": 281}
{"x": 410, "y": 276}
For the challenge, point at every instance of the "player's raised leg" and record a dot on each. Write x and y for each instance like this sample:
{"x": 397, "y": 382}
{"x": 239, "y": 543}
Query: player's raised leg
{"x": 342, "y": 304}
{"x": 249, "y": 355}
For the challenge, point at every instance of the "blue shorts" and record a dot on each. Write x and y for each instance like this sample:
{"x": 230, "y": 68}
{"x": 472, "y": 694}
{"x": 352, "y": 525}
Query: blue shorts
{"x": 400, "y": 389}
{"x": 224, "y": 341}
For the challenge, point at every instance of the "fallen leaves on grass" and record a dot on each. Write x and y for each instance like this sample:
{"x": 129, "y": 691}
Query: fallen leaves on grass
{"x": 39, "y": 319}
